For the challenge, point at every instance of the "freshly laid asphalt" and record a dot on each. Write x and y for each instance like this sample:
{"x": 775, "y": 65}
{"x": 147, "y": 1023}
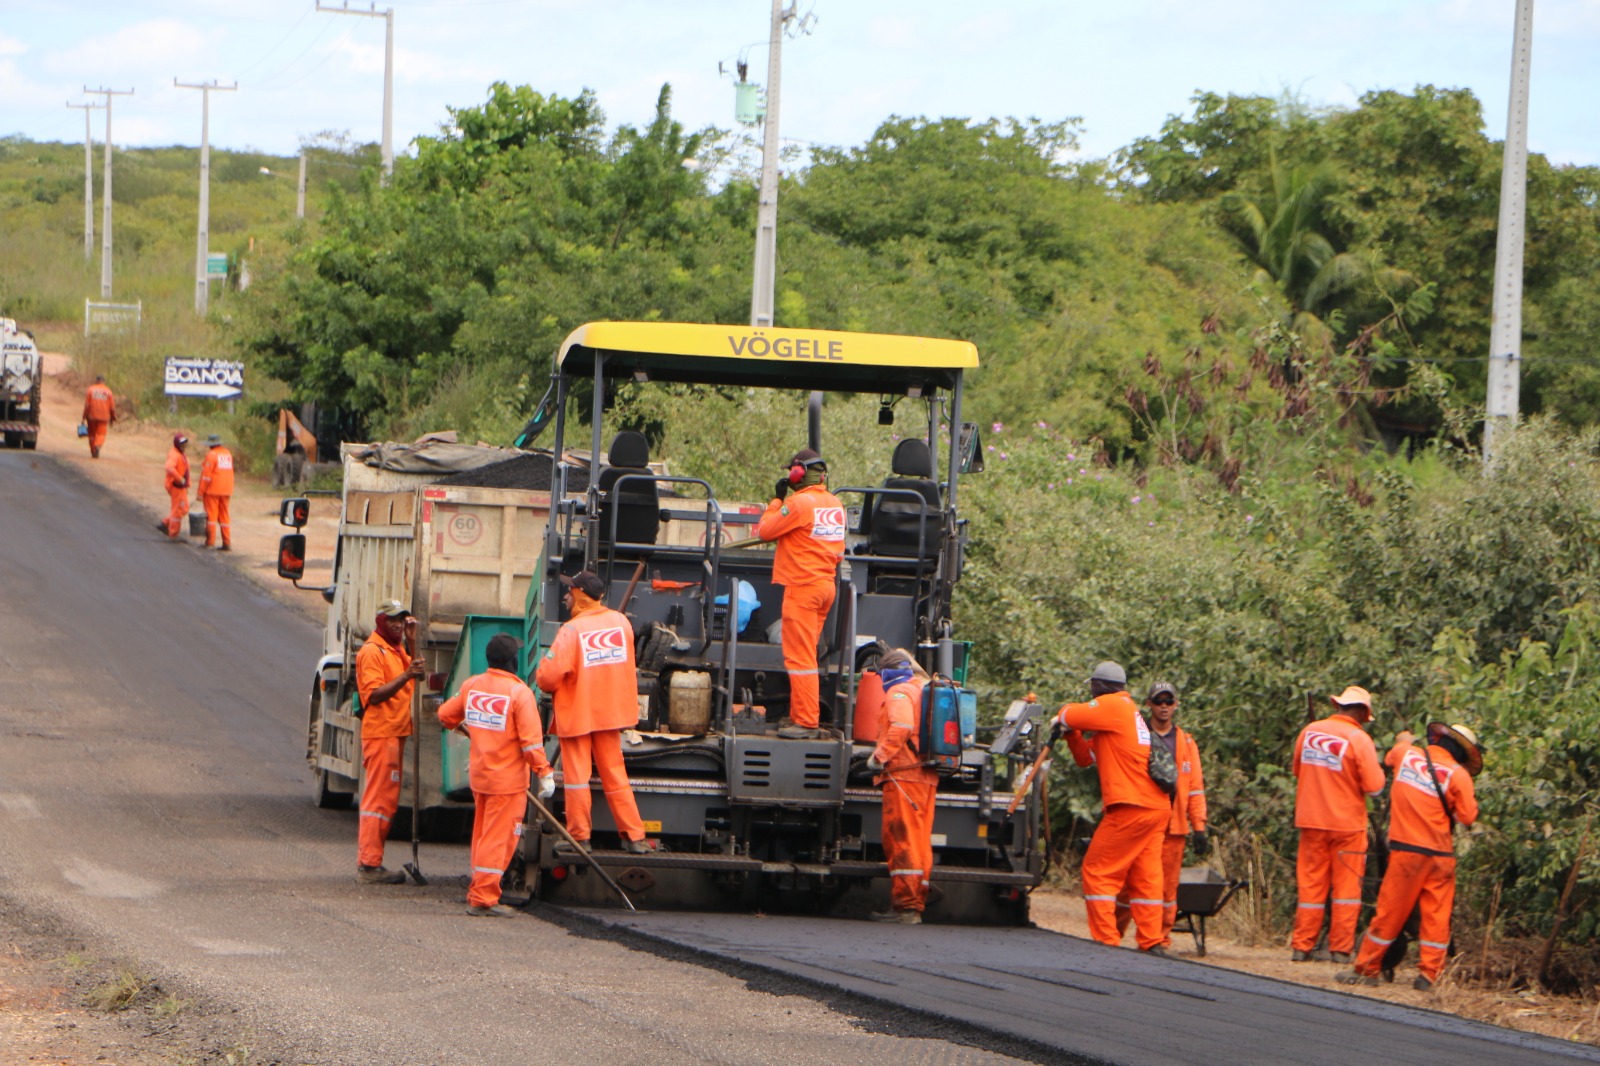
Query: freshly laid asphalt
{"x": 154, "y": 800}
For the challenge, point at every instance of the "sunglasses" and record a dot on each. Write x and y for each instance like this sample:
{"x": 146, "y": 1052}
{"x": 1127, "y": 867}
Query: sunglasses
{"x": 1163, "y": 701}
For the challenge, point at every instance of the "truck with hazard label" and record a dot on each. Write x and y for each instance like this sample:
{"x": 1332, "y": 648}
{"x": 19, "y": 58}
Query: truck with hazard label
{"x": 21, "y": 387}
{"x": 738, "y": 814}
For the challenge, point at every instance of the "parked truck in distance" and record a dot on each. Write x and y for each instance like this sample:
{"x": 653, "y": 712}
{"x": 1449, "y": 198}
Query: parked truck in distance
{"x": 21, "y": 386}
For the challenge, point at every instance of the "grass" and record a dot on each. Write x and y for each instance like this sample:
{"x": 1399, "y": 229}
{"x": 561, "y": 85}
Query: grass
{"x": 117, "y": 994}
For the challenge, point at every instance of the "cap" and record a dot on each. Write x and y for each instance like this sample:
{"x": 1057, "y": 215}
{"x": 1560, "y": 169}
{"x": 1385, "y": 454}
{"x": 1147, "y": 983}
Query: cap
{"x": 588, "y": 582}
{"x": 1163, "y": 688}
{"x": 806, "y": 457}
{"x": 502, "y": 646}
{"x": 1354, "y": 696}
{"x": 393, "y": 609}
{"x": 180, "y": 438}
{"x": 1463, "y": 736}
{"x": 213, "y": 441}
{"x": 1109, "y": 671}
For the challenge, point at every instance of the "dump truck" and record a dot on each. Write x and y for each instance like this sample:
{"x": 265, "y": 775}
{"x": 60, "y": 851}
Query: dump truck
{"x": 740, "y": 817}
{"x": 21, "y": 387}
{"x": 452, "y": 531}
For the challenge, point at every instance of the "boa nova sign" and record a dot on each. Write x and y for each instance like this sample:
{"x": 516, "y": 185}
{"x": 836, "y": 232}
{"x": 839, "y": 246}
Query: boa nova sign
{"x": 219, "y": 379}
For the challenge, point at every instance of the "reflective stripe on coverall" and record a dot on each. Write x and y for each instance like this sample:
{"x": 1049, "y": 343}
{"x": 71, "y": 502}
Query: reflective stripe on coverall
{"x": 1337, "y": 768}
{"x": 809, "y": 527}
{"x": 216, "y": 489}
{"x": 1126, "y": 848}
{"x": 1413, "y": 879}
{"x": 507, "y": 739}
{"x": 384, "y": 727}
{"x": 177, "y": 482}
{"x": 589, "y": 670}
{"x": 907, "y": 830}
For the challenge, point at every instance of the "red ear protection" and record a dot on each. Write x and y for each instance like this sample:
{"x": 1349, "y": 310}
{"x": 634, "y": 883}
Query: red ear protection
{"x": 796, "y": 472}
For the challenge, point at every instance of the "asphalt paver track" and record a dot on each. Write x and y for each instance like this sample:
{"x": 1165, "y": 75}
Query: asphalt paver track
{"x": 1059, "y": 998}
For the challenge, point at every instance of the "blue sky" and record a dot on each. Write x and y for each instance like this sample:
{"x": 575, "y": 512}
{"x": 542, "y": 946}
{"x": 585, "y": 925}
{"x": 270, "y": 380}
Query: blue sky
{"x": 1121, "y": 67}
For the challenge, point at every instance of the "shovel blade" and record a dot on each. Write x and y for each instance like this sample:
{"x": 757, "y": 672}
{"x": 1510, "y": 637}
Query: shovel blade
{"x": 415, "y": 874}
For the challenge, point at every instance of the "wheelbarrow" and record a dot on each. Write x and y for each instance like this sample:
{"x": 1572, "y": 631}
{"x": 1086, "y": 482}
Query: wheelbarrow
{"x": 1202, "y": 892}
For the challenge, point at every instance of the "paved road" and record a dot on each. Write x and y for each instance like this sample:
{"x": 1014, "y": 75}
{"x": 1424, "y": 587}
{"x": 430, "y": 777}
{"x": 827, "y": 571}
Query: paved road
{"x": 154, "y": 798}
{"x": 1058, "y": 998}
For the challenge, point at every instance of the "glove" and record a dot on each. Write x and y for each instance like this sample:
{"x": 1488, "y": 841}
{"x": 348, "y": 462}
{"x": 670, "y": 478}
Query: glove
{"x": 873, "y": 765}
{"x": 1200, "y": 843}
{"x": 782, "y": 488}
{"x": 1055, "y": 732}
{"x": 547, "y": 786}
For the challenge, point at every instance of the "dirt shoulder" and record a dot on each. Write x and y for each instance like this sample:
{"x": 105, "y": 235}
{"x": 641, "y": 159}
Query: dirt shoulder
{"x": 132, "y": 464}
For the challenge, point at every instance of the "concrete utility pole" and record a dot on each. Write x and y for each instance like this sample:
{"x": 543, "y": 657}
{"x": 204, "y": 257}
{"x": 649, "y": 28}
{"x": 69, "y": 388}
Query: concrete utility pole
{"x": 1505, "y": 328}
{"x": 88, "y": 181}
{"x": 300, "y": 189}
{"x": 766, "y": 272}
{"x": 202, "y": 278}
{"x": 387, "y": 14}
{"x": 105, "y": 193}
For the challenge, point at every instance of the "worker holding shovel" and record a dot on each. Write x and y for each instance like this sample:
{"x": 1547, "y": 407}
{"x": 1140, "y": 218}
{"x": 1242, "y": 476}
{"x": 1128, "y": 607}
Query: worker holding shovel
{"x": 385, "y": 678}
{"x": 909, "y": 789}
{"x": 501, "y": 719}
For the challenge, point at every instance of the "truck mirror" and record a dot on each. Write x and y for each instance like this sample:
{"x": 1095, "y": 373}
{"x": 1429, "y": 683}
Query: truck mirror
{"x": 292, "y": 556}
{"x": 295, "y": 512}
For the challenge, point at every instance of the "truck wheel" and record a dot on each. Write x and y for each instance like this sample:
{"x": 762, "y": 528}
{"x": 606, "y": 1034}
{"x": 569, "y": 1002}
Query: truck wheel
{"x": 29, "y": 443}
{"x": 13, "y": 439}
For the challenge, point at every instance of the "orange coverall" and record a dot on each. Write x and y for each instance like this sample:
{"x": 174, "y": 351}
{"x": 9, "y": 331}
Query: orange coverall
{"x": 502, "y": 722}
{"x": 809, "y": 527}
{"x": 1337, "y": 767}
{"x": 907, "y": 829}
{"x": 1422, "y": 861}
{"x": 99, "y": 411}
{"x": 177, "y": 479}
{"x": 1188, "y": 812}
{"x": 589, "y": 670}
{"x": 1126, "y": 849}
{"x": 384, "y": 728}
{"x": 216, "y": 488}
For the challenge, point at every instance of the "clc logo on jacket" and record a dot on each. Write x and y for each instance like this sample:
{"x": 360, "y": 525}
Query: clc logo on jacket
{"x": 1322, "y": 749}
{"x": 602, "y": 646}
{"x": 1413, "y": 771}
{"x": 487, "y": 710}
{"x": 828, "y": 523}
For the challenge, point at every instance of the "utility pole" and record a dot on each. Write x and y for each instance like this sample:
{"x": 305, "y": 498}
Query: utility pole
{"x": 300, "y": 190}
{"x": 1505, "y": 328}
{"x": 387, "y": 14}
{"x": 88, "y": 181}
{"x": 202, "y": 279}
{"x": 105, "y": 193}
{"x": 766, "y": 271}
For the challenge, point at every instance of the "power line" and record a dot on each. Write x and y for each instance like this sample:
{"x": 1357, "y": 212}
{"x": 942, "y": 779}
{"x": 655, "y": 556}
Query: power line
{"x": 264, "y": 55}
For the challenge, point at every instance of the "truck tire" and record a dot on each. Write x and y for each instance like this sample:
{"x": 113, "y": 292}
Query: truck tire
{"x": 30, "y": 443}
{"x": 13, "y": 439}
{"x": 327, "y": 798}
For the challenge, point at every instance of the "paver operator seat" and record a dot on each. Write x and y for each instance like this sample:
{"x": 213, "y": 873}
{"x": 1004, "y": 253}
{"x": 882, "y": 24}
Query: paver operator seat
{"x": 896, "y": 521}
{"x": 638, "y": 507}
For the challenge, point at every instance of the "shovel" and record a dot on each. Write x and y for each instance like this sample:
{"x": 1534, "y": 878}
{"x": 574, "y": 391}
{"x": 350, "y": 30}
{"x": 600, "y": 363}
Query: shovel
{"x": 412, "y": 869}
{"x": 544, "y": 812}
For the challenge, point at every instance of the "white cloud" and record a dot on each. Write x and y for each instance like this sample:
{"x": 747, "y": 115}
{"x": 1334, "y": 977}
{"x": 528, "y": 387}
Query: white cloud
{"x": 133, "y": 52}
{"x": 10, "y": 46}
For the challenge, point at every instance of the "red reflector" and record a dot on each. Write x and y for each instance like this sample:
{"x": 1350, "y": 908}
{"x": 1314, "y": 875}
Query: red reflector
{"x": 436, "y": 682}
{"x": 952, "y": 733}
{"x": 558, "y": 873}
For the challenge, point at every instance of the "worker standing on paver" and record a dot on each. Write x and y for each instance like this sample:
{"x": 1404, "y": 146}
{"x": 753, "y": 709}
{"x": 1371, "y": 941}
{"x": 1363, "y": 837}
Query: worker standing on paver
{"x": 99, "y": 411}
{"x": 177, "y": 481}
{"x": 808, "y": 523}
{"x": 1188, "y": 807}
{"x": 590, "y": 672}
{"x": 1432, "y": 791}
{"x": 502, "y": 722}
{"x": 1337, "y": 768}
{"x": 1126, "y": 849}
{"x": 216, "y": 490}
{"x": 386, "y": 677}
{"x": 909, "y": 789}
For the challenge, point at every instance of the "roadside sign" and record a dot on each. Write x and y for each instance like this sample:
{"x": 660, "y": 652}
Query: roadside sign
{"x": 111, "y": 318}
{"x": 216, "y": 264}
{"x": 218, "y": 379}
